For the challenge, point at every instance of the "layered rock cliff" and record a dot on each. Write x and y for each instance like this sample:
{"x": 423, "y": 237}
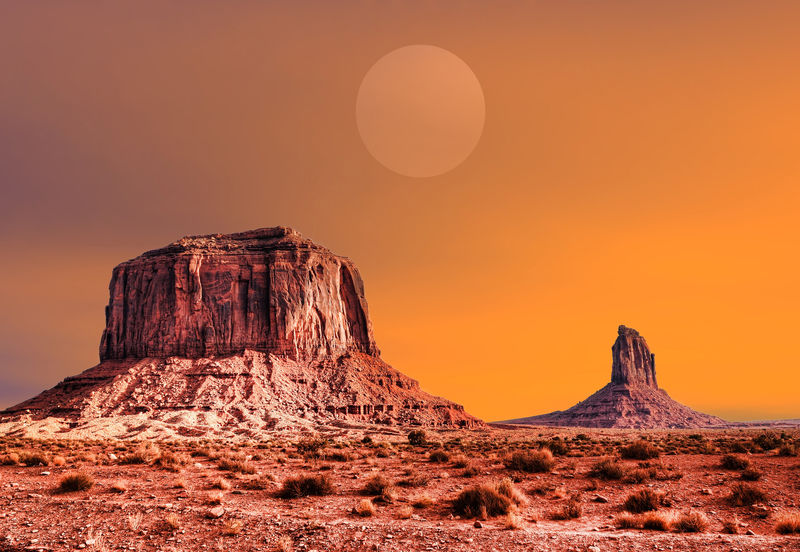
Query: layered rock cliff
{"x": 239, "y": 333}
{"x": 632, "y": 399}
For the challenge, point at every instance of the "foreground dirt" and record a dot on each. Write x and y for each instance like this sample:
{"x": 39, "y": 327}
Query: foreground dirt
{"x": 167, "y": 504}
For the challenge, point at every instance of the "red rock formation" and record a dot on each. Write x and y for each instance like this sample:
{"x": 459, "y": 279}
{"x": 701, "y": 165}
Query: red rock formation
{"x": 632, "y": 399}
{"x": 268, "y": 290}
{"x": 242, "y": 332}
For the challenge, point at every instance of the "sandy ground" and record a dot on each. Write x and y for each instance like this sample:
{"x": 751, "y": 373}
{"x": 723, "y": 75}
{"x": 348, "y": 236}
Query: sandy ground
{"x": 168, "y": 507}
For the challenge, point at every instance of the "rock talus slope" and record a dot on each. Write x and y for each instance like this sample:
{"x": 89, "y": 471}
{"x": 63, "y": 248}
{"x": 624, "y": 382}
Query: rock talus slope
{"x": 236, "y": 334}
{"x": 632, "y": 399}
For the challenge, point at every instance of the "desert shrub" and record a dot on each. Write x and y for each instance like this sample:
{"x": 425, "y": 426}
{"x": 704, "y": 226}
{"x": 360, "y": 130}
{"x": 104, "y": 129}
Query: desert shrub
{"x": 481, "y": 501}
{"x": 365, "y": 508}
{"x": 339, "y": 456}
{"x": 438, "y": 456}
{"x": 626, "y": 521}
{"x": 557, "y": 447}
{"x": 144, "y": 454}
{"x": 35, "y": 458}
{"x": 310, "y": 447}
{"x": 414, "y": 479}
{"x": 470, "y": 471}
{"x": 10, "y": 459}
{"x": 375, "y": 485}
{"x": 639, "y": 450}
{"x": 171, "y": 461}
{"x": 767, "y": 441}
{"x": 788, "y": 524}
{"x": 750, "y": 474}
{"x": 507, "y": 489}
{"x": 787, "y": 450}
{"x": 607, "y": 469}
{"x": 643, "y": 500}
{"x": 743, "y": 494}
{"x": 691, "y": 522}
{"x": 460, "y": 461}
{"x": 75, "y": 482}
{"x": 306, "y": 485}
{"x": 538, "y": 461}
{"x": 734, "y": 462}
{"x": 656, "y": 521}
{"x": 417, "y": 437}
{"x": 236, "y": 463}
{"x": 513, "y": 521}
{"x": 730, "y": 526}
{"x": 640, "y": 475}
{"x": 421, "y": 501}
{"x": 222, "y": 484}
{"x": 214, "y": 498}
{"x": 405, "y": 512}
{"x": 572, "y": 509}
{"x": 172, "y": 522}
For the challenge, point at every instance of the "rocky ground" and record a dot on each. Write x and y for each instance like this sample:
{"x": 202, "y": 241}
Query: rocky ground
{"x": 203, "y": 495}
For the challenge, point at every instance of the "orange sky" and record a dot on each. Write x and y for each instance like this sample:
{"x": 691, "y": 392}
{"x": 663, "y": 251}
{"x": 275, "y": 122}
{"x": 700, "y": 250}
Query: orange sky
{"x": 638, "y": 164}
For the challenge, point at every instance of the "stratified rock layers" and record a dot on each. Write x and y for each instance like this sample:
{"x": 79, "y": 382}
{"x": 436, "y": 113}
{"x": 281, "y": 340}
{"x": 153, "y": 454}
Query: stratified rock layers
{"x": 632, "y": 399}
{"x": 254, "y": 330}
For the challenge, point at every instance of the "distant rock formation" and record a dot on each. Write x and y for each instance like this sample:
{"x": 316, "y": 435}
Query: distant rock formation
{"x": 239, "y": 333}
{"x": 632, "y": 399}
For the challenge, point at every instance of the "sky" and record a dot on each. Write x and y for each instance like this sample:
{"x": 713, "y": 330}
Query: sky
{"x": 637, "y": 164}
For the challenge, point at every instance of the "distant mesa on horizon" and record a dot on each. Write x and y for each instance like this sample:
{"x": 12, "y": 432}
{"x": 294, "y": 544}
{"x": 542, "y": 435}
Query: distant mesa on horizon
{"x": 234, "y": 334}
{"x": 631, "y": 400}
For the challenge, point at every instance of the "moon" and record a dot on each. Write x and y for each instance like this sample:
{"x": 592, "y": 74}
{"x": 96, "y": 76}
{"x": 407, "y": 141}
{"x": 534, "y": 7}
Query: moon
{"x": 420, "y": 111}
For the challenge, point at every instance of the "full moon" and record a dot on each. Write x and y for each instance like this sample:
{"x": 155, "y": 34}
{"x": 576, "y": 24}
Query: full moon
{"x": 420, "y": 111}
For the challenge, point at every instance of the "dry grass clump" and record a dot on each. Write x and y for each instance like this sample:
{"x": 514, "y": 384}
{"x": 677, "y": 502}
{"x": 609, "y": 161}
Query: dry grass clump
{"x": 643, "y": 500}
{"x": 691, "y": 522}
{"x": 743, "y": 494}
{"x": 232, "y": 527}
{"x": 144, "y": 454}
{"x": 421, "y": 501}
{"x": 438, "y": 456}
{"x": 730, "y": 526}
{"x": 656, "y": 521}
{"x": 572, "y": 509}
{"x": 417, "y": 437}
{"x": 750, "y": 474}
{"x": 460, "y": 461}
{"x": 787, "y": 449}
{"x": 236, "y": 463}
{"x": 172, "y": 522}
{"x": 639, "y": 450}
{"x": 35, "y": 458}
{"x": 484, "y": 501}
{"x": 306, "y": 485}
{"x": 608, "y": 469}
{"x": 788, "y": 524}
{"x": 258, "y": 483}
{"x": 222, "y": 484}
{"x": 59, "y": 460}
{"x": 75, "y": 482}
{"x": 214, "y": 498}
{"x": 9, "y": 459}
{"x": 538, "y": 461}
{"x": 376, "y": 485}
{"x": 365, "y": 508}
{"x": 171, "y": 461}
{"x": 405, "y": 512}
{"x": 513, "y": 521}
{"x": 414, "y": 479}
{"x": 734, "y": 462}
{"x": 626, "y": 521}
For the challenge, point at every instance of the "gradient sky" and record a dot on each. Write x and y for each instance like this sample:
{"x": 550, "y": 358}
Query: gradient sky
{"x": 639, "y": 164}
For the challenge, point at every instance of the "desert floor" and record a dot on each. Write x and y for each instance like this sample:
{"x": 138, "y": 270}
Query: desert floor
{"x": 379, "y": 492}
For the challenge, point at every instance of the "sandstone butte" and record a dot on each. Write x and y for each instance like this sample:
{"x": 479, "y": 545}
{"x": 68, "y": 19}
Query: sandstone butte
{"x": 232, "y": 335}
{"x": 632, "y": 399}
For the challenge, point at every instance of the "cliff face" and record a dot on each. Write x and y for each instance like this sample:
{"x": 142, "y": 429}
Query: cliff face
{"x": 268, "y": 290}
{"x": 632, "y": 399}
{"x": 234, "y": 335}
{"x": 632, "y": 362}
